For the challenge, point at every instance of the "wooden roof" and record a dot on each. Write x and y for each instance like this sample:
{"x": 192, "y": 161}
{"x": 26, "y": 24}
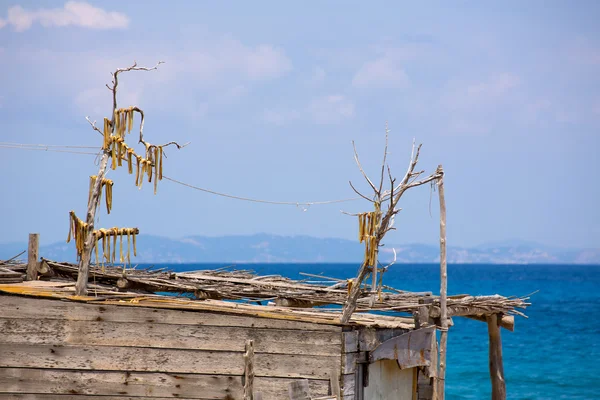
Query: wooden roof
{"x": 242, "y": 292}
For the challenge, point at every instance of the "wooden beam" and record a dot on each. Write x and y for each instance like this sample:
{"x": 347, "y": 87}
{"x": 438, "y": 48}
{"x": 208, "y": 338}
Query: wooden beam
{"x": 506, "y": 321}
{"x": 496, "y": 367}
{"x": 32, "y": 256}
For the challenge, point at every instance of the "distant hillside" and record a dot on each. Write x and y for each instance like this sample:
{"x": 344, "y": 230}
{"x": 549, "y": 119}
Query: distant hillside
{"x": 264, "y": 248}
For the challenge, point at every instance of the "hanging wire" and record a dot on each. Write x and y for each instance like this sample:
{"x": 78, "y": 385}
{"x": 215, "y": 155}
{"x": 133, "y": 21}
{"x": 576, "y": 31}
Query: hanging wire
{"x": 55, "y": 148}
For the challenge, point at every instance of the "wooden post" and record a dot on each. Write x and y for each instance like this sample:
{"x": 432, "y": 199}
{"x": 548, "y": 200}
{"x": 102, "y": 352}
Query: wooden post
{"x": 496, "y": 366}
{"x": 443, "y": 287}
{"x": 32, "y": 256}
{"x": 89, "y": 243}
{"x": 249, "y": 371}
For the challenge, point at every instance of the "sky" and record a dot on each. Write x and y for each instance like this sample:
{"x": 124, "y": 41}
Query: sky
{"x": 505, "y": 95}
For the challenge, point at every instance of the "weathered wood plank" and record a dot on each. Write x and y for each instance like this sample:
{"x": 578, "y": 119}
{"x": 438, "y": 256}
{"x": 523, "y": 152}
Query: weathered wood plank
{"x": 412, "y": 349}
{"x": 163, "y": 360}
{"x": 299, "y": 390}
{"x": 369, "y": 338}
{"x": 142, "y": 384}
{"x": 157, "y": 335}
{"x": 26, "y": 380}
{"x": 348, "y": 385}
{"x": 350, "y": 341}
{"x": 349, "y": 363}
{"x": 35, "y": 396}
{"x": 24, "y": 307}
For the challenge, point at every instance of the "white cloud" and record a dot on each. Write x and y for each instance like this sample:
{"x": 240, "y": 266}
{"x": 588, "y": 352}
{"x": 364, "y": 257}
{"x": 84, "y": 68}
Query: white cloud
{"x": 384, "y": 72}
{"x": 331, "y": 109}
{"x": 74, "y": 13}
{"x": 2, "y": 23}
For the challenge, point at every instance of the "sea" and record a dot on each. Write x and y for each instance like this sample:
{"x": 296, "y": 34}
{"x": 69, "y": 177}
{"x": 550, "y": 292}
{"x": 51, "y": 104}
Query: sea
{"x": 552, "y": 354}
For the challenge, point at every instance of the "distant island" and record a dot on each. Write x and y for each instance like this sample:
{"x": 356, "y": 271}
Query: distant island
{"x": 265, "y": 248}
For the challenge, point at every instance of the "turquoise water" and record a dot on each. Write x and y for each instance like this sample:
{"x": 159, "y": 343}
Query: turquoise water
{"x": 555, "y": 354}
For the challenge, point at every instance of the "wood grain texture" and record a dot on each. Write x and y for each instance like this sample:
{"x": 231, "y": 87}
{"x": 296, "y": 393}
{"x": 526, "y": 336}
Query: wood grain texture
{"x": 163, "y": 360}
{"x": 32, "y": 256}
{"x": 495, "y": 361}
{"x": 25, "y": 307}
{"x": 141, "y": 384}
{"x": 157, "y": 335}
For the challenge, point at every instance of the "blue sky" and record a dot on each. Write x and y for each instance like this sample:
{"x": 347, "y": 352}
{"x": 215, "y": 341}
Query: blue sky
{"x": 270, "y": 94}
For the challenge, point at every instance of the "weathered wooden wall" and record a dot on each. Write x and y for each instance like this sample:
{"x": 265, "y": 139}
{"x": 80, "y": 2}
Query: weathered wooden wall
{"x": 52, "y": 349}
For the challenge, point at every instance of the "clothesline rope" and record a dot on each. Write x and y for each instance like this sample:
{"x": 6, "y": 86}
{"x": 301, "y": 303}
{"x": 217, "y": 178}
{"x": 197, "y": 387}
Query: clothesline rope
{"x": 56, "y": 148}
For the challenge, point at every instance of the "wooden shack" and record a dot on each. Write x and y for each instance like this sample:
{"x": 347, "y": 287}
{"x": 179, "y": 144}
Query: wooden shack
{"x": 124, "y": 341}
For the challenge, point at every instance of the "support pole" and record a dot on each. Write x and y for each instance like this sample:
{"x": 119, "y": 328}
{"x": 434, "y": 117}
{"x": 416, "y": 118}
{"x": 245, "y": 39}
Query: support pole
{"x": 496, "y": 365}
{"x": 32, "y": 256}
{"x": 443, "y": 287}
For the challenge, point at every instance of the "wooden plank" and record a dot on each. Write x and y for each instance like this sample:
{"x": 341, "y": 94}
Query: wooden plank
{"x": 506, "y": 321}
{"x": 142, "y": 384}
{"x": 35, "y": 396}
{"x": 412, "y": 349}
{"x": 388, "y": 382}
{"x": 348, "y": 385}
{"x": 45, "y": 381}
{"x": 369, "y": 338}
{"x": 299, "y": 390}
{"x": 350, "y": 341}
{"x": 496, "y": 365}
{"x": 349, "y": 363}
{"x": 163, "y": 360}
{"x": 32, "y": 256}
{"x": 26, "y": 307}
{"x": 334, "y": 383}
{"x": 159, "y": 335}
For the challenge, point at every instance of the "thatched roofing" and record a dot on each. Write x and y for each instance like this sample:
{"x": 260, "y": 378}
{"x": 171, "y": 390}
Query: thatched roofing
{"x": 252, "y": 293}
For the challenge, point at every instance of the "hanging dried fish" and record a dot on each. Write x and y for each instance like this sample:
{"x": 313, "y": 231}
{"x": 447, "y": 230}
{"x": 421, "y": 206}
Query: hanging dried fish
{"x": 129, "y": 161}
{"x": 108, "y": 189}
{"x": 160, "y": 158}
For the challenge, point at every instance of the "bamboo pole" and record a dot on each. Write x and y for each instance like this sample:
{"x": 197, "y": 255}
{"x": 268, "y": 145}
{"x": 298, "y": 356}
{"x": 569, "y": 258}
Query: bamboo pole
{"x": 496, "y": 365}
{"x": 443, "y": 287}
{"x": 32, "y": 256}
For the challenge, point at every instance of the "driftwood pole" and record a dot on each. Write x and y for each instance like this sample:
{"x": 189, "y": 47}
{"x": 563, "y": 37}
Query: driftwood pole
{"x": 496, "y": 365}
{"x": 443, "y": 286}
{"x": 32, "y": 256}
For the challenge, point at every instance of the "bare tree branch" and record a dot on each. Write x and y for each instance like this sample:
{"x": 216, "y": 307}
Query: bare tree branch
{"x": 361, "y": 169}
{"x": 93, "y": 124}
{"x": 359, "y": 193}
